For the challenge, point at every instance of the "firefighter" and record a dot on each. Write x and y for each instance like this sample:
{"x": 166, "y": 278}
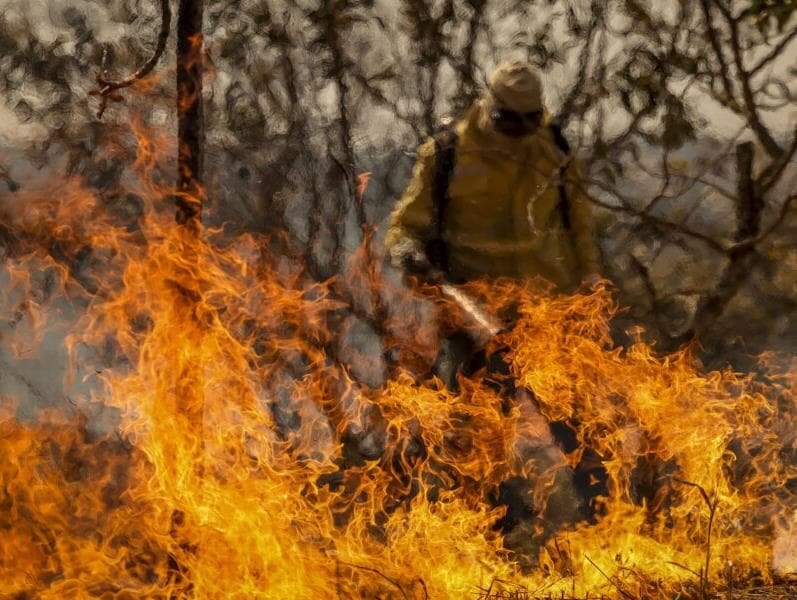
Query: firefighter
{"x": 498, "y": 194}
{"x": 503, "y": 200}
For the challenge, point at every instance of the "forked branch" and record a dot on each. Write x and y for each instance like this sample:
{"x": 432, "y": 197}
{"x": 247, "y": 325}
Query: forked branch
{"x": 108, "y": 87}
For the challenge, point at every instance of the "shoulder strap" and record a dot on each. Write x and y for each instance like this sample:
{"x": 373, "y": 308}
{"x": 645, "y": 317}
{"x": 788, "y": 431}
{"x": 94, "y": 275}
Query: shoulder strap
{"x": 564, "y": 203}
{"x": 445, "y": 143}
{"x": 559, "y": 138}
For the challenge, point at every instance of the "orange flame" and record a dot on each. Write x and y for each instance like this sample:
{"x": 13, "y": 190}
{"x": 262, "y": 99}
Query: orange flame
{"x": 362, "y": 184}
{"x": 225, "y": 475}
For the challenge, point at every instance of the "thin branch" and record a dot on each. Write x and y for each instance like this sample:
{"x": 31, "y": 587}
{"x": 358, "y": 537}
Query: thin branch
{"x": 583, "y": 65}
{"x": 778, "y": 93}
{"x": 619, "y": 588}
{"x": 697, "y": 486}
{"x": 468, "y": 86}
{"x": 665, "y": 183}
{"x": 425, "y": 589}
{"x": 722, "y": 191}
{"x": 717, "y": 47}
{"x": 378, "y": 96}
{"x": 644, "y": 274}
{"x": 653, "y": 220}
{"x": 108, "y": 87}
{"x": 773, "y": 173}
{"x": 377, "y": 572}
{"x": 774, "y": 53}
{"x": 758, "y": 127}
{"x": 684, "y": 567}
{"x": 712, "y": 510}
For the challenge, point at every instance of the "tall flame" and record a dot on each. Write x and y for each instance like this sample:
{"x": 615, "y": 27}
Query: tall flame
{"x": 225, "y": 474}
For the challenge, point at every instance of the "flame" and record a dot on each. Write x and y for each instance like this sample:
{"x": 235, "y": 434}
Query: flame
{"x": 362, "y": 184}
{"x": 225, "y": 474}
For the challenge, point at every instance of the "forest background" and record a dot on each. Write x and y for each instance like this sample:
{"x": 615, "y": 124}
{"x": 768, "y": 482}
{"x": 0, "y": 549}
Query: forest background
{"x": 683, "y": 117}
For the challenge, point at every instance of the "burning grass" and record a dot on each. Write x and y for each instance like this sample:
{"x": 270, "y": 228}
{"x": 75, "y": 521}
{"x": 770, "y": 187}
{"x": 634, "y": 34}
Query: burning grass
{"x": 225, "y": 474}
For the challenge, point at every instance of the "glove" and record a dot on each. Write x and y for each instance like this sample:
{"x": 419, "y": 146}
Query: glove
{"x": 416, "y": 264}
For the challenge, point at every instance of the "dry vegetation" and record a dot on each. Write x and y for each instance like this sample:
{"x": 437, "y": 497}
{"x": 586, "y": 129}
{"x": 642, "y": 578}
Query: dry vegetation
{"x": 681, "y": 115}
{"x": 683, "y": 118}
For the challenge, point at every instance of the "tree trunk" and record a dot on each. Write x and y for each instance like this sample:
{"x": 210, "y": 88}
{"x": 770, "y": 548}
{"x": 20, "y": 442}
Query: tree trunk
{"x": 190, "y": 401}
{"x": 749, "y": 208}
{"x": 190, "y": 130}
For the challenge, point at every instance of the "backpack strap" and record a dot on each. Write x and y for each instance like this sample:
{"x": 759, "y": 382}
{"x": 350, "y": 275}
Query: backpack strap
{"x": 445, "y": 143}
{"x": 564, "y": 203}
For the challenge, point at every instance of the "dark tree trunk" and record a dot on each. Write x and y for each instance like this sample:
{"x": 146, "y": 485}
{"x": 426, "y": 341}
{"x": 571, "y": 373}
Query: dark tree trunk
{"x": 749, "y": 204}
{"x": 189, "y": 412}
{"x": 190, "y": 130}
{"x": 749, "y": 208}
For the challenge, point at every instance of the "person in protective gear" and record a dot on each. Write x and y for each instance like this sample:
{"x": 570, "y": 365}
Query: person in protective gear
{"x": 511, "y": 195}
{"x": 499, "y": 194}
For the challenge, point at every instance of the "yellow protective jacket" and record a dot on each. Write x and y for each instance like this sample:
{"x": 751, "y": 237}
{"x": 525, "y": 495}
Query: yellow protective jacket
{"x": 503, "y": 216}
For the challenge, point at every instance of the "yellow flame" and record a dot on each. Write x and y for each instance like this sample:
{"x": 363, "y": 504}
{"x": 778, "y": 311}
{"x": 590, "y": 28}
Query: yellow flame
{"x": 223, "y": 478}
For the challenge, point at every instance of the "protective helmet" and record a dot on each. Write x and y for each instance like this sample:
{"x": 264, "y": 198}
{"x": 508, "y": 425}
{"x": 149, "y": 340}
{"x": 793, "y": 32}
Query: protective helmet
{"x": 515, "y": 85}
{"x": 514, "y": 99}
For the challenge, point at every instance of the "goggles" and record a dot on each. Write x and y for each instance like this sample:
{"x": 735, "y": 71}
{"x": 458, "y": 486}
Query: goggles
{"x": 515, "y": 124}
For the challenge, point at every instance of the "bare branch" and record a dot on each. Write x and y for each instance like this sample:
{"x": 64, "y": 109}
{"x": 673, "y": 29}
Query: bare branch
{"x": 774, "y": 53}
{"x": 644, "y": 274}
{"x": 751, "y": 110}
{"x": 583, "y": 64}
{"x": 684, "y": 567}
{"x": 697, "y": 486}
{"x": 466, "y": 68}
{"x": 108, "y": 87}
{"x": 382, "y": 575}
{"x": 425, "y": 589}
{"x": 772, "y": 174}
{"x": 657, "y": 222}
{"x": 718, "y": 52}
